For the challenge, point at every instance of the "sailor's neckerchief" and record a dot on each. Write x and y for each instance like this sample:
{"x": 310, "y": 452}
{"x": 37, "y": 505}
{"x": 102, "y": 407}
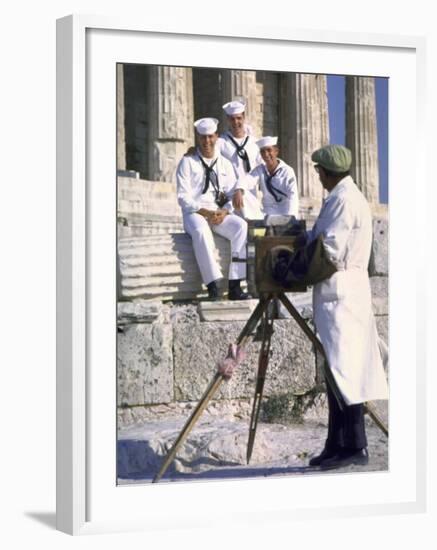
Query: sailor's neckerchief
{"x": 268, "y": 180}
{"x": 210, "y": 176}
{"x": 241, "y": 152}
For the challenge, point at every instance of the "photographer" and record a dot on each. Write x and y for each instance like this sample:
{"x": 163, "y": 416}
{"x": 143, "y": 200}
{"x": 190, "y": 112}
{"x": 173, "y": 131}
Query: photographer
{"x": 343, "y": 309}
{"x": 205, "y": 185}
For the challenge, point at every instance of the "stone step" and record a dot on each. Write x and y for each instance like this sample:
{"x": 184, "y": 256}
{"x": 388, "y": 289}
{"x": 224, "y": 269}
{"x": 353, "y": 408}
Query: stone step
{"x": 163, "y": 267}
{"x": 149, "y": 227}
{"x": 138, "y": 196}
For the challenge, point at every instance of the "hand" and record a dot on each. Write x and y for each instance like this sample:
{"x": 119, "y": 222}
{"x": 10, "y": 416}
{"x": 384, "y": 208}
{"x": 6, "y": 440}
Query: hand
{"x": 190, "y": 151}
{"x": 218, "y": 216}
{"x": 237, "y": 199}
{"x": 301, "y": 240}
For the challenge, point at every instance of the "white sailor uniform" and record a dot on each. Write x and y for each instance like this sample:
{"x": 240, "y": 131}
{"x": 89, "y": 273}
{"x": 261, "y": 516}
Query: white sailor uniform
{"x": 279, "y": 190}
{"x": 194, "y": 193}
{"x": 243, "y": 153}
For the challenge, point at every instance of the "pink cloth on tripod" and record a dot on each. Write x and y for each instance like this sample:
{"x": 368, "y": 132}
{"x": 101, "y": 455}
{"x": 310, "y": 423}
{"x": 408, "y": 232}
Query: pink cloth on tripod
{"x": 234, "y": 357}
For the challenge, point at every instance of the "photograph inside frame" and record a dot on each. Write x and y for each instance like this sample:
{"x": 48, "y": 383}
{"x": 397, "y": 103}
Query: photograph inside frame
{"x": 252, "y": 274}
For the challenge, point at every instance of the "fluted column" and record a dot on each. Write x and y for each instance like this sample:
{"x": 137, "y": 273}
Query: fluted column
{"x": 240, "y": 86}
{"x": 171, "y": 112}
{"x": 361, "y": 134}
{"x": 121, "y": 138}
{"x": 304, "y": 128}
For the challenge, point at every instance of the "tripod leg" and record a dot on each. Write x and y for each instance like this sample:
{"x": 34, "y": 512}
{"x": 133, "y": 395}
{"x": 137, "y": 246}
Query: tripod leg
{"x": 210, "y": 391}
{"x": 318, "y": 345}
{"x": 370, "y": 409}
{"x": 262, "y": 368}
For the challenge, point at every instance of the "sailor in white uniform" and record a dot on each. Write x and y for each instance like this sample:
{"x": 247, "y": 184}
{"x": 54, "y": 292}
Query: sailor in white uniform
{"x": 275, "y": 179}
{"x": 239, "y": 146}
{"x": 205, "y": 186}
{"x": 343, "y": 312}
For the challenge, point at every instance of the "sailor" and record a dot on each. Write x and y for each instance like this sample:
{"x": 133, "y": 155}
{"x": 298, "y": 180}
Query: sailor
{"x": 275, "y": 179}
{"x": 237, "y": 144}
{"x": 342, "y": 307}
{"x": 205, "y": 186}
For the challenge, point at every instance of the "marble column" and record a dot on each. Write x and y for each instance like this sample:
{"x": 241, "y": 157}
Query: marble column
{"x": 304, "y": 127}
{"x": 121, "y": 138}
{"x": 267, "y": 90}
{"x": 171, "y": 112}
{"x": 237, "y": 85}
{"x": 361, "y": 134}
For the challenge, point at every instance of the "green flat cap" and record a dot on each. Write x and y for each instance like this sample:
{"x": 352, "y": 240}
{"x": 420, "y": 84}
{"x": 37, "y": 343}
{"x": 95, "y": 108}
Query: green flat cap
{"x": 335, "y": 158}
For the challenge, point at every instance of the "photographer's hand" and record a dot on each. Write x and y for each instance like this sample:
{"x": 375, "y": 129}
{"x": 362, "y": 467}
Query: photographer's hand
{"x": 301, "y": 240}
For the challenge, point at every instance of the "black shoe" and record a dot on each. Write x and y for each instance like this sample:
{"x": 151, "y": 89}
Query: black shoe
{"x": 213, "y": 292}
{"x": 235, "y": 292}
{"x": 326, "y": 453}
{"x": 346, "y": 458}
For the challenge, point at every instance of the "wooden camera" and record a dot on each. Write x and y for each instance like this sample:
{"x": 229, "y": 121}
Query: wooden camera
{"x": 262, "y": 238}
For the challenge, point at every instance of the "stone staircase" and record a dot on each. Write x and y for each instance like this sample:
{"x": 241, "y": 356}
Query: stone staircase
{"x": 163, "y": 267}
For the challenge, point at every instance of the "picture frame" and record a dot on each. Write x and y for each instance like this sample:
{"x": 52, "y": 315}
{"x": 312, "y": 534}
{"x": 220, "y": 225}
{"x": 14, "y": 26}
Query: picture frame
{"x": 85, "y": 489}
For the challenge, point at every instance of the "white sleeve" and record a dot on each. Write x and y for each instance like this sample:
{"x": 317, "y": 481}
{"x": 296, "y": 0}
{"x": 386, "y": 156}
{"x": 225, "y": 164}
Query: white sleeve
{"x": 184, "y": 187}
{"x": 335, "y": 224}
{"x": 246, "y": 182}
{"x": 292, "y": 193}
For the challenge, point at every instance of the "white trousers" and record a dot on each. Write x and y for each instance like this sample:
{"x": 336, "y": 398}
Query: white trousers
{"x": 232, "y": 228}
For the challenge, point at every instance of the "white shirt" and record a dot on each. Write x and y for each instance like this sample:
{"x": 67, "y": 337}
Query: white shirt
{"x": 284, "y": 185}
{"x": 229, "y": 151}
{"x": 190, "y": 183}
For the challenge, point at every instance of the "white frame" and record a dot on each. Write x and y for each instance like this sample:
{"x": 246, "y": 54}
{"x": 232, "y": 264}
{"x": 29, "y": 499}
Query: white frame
{"x": 72, "y": 446}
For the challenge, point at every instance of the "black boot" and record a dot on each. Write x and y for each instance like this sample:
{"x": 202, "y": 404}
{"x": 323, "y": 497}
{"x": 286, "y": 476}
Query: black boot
{"x": 328, "y": 452}
{"x": 213, "y": 293}
{"x": 235, "y": 292}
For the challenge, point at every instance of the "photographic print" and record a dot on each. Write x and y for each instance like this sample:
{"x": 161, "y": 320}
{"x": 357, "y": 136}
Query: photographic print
{"x": 252, "y": 274}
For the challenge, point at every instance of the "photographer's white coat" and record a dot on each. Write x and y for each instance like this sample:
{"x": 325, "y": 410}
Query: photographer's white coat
{"x": 342, "y": 304}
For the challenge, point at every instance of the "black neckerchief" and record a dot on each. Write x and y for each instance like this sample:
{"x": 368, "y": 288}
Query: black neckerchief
{"x": 241, "y": 152}
{"x": 210, "y": 177}
{"x": 272, "y": 190}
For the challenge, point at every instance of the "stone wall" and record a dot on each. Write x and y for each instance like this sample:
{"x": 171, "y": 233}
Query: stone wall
{"x": 168, "y": 353}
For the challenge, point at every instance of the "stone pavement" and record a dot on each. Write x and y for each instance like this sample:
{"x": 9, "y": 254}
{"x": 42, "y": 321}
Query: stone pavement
{"x": 216, "y": 449}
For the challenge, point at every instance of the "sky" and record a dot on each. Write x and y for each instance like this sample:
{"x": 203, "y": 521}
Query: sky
{"x": 336, "y": 106}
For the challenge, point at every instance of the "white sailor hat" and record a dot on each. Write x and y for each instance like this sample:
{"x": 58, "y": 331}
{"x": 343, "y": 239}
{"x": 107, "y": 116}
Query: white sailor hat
{"x": 234, "y": 108}
{"x": 267, "y": 141}
{"x": 206, "y": 126}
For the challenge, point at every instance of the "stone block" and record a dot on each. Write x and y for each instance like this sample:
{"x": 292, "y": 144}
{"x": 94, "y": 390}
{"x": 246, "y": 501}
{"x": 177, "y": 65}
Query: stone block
{"x": 199, "y": 347}
{"x": 226, "y": 310}
{"x": 379, "y": 259}
{"x": 141, "y": 311}
{"x": 145, "y": 364}
{"x": 302, "y": 301}
{"x": 379, "y": 287}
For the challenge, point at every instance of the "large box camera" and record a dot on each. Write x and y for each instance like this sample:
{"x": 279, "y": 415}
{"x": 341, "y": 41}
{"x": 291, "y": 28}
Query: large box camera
{"x": 263, "y": 236}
